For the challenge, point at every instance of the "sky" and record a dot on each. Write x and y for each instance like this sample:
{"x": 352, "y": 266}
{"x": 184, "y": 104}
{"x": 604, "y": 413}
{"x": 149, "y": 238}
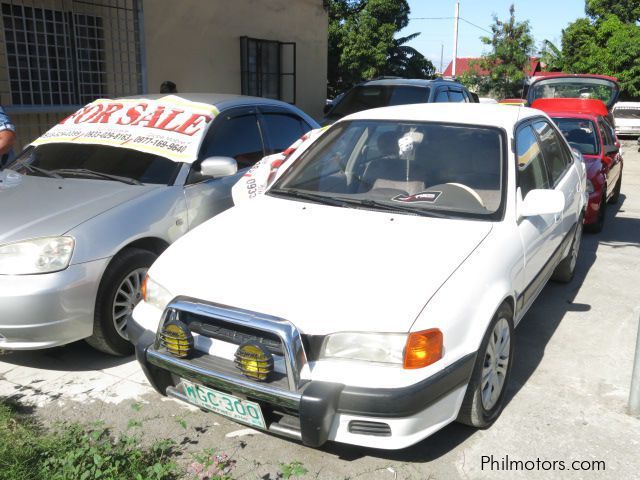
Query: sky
{"x": 546, "y": 17}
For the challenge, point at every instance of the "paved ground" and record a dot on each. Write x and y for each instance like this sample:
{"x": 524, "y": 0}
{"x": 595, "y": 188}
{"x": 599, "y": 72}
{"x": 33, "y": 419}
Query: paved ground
{"x": 567, "y": 399}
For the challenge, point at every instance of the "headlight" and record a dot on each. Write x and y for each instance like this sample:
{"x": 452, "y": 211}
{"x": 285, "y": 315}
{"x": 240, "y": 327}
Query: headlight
{"x": 40, "y": 255}
{"x": 590, "y": 188}
{"x": 370, "y": 347}
{"x": 155, "y": 294}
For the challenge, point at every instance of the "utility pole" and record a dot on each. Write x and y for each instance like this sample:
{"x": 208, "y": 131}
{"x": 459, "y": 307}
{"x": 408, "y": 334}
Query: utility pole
{"x": 441, "y": 58}
{"x": 455, "y": 39}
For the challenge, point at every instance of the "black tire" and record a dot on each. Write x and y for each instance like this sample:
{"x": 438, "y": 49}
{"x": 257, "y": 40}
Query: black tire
{"x": 616, "y": 191}
{"x": 567, "y": 267}
{"x": 474, "y": 410}
{"x": 128, "y": 263}
{"x": 598, "y": 225}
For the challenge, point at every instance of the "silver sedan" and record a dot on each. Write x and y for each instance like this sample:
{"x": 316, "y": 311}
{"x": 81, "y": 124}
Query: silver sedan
{"x": 80, "y": 224}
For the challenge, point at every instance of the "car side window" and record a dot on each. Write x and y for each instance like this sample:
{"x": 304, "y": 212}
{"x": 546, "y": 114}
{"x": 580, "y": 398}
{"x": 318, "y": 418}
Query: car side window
{"x": 238, "y": 137}
{"x": 607, "y": 138}
{"x": 532, "y": 172}
{"x": 456, "y": 96}
{"x": 282, "y": 129}
{"x": 442, "y": 96}
{"x": 551, "y": 146}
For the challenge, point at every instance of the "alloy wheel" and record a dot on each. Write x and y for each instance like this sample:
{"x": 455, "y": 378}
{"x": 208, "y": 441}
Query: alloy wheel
{"x": 127, "y": 296}
{"x": 496, "y": 364}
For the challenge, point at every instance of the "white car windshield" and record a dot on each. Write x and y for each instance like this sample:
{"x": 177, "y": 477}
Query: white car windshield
{"x": 417, "y": 167}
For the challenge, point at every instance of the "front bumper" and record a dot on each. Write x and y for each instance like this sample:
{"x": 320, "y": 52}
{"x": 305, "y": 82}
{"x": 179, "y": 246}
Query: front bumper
{"x": 47, "y": 310}
{"x": 320, "y": 411}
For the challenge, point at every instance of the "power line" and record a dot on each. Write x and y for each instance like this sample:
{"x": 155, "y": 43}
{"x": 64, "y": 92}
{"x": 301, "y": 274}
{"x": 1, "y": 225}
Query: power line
{"x": 450, "y": 18}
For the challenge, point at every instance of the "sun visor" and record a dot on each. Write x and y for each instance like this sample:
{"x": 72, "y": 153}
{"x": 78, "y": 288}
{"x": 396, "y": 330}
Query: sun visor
{"x": 171, "y": 126}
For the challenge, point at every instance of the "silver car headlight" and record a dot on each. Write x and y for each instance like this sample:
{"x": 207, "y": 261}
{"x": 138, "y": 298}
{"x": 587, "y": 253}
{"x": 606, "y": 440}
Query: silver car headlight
{"x": 370, "y": 347}
{"x": 155, "y": 294}
{"x": 40, "y": 255}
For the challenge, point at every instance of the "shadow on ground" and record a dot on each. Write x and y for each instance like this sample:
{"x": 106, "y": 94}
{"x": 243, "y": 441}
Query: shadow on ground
{"x": 75, "y": 357}
{"x": 532, "y": 336}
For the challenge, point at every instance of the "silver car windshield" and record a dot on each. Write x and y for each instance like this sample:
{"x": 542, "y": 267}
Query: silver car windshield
{"x": 95, "y": 162}
{"x": 425, "y": 168}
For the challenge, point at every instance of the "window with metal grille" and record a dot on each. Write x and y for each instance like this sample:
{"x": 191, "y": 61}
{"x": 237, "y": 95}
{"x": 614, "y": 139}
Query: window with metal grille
{"x": 268, "y": 68}
{"x": 53, "y": 57}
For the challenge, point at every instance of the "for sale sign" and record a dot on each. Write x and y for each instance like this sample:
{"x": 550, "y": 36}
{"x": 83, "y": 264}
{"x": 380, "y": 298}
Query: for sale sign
{"x": 170, "y": 126}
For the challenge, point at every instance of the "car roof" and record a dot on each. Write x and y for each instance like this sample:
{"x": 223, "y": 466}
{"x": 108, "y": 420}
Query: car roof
{"x": 492, "y": 115}
{"x": 410, "y": 81}
{"x": 224, "y": 101}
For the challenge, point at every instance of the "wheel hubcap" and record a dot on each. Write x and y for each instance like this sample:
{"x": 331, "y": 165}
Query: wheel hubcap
{"x": 496, "y": 363}
{"x": 575, "y": 248}
{"x": 127, "y": 296}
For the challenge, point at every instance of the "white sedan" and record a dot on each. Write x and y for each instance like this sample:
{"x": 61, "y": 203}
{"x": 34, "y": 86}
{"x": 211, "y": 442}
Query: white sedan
{"x": 381, "y": 277}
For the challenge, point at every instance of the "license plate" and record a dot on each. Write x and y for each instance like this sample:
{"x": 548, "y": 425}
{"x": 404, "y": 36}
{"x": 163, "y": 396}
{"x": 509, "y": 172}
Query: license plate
{"x": 236, "y": 408}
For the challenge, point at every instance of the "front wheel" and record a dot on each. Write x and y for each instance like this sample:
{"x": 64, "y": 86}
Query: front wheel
{"x": 484, "y": 400}
{"x": 120, "y": 291}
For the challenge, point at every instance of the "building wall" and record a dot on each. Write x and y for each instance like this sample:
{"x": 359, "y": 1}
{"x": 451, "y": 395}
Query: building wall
{"x": 197, "y": 45}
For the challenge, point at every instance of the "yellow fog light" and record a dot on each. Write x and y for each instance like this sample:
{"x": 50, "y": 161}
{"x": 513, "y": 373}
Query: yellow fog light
{"x": 177, "y": 339}
{"x": 254, "y": 361}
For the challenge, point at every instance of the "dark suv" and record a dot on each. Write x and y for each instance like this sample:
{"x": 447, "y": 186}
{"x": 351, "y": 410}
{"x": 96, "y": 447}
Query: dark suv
{"x": 396, "y": 91}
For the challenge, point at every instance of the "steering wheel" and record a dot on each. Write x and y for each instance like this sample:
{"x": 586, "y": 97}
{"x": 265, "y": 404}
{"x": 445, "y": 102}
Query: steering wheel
{"x": 459, "y": 193}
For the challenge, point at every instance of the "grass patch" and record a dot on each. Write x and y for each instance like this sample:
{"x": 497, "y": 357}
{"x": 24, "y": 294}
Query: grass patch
{"x": 75, "y": 452}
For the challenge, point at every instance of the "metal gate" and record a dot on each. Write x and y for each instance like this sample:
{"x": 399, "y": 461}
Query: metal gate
{"x": 57, "y": 55}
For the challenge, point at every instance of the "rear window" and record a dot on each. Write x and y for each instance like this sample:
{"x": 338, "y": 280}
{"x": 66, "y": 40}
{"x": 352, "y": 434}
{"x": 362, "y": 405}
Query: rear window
{"x": 580, "y": 133}
{"x": 365, "y": 97}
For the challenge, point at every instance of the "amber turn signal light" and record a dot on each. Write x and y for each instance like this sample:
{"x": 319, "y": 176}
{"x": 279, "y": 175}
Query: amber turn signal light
{"x": 423, "y": 348}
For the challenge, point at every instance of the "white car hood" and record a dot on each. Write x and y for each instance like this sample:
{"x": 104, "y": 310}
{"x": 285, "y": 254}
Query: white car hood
{"x": 323, "y": 268}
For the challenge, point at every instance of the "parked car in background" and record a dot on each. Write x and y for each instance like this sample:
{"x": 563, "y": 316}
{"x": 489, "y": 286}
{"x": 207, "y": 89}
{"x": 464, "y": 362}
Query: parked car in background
{"x": 584, "y": 125}
{"x": 397, "y": 91}
{"x": 88, "y": 206}
{"x": 627, "y": 118}
{"x": 362, "y": 337}
{"x": 575, "y": 85}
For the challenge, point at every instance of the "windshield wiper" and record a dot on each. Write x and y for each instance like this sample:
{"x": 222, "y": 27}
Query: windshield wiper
{"x": 307, "y": 196}
{"x": 375, "y": 204}
{"x": 93, "y": 173}
{"x": 39, "y": 170}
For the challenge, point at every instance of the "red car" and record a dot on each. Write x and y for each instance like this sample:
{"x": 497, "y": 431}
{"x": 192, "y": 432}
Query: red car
{"x": 583, "y": 123}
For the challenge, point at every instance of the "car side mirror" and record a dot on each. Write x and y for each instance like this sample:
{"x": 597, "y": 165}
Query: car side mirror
{"x": 611, "y": 149}
{"x": 218, "y": 167}
{"x": 542, "y": 202}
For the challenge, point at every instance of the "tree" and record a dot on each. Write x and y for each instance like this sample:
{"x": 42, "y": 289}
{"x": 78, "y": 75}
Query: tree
{"x": 628, "y": 11}
{"x": 511, "y": 47}
{"x": 551, "y": 56}
{"x": 362, "y": 44}
{"x": 605, "y": 44}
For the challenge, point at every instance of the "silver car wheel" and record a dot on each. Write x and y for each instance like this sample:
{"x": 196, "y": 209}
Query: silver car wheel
{"x": 127, "y": 296}
{"x": 575, "y": 248}
{"x": 496, "y": 364}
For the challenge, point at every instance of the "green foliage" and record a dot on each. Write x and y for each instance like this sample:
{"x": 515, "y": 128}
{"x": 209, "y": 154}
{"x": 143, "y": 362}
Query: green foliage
{"x": 74, "y": 452}
{"x": 605, "y": 46}
{"x": 511, "y": 46}
{"x": 551, "y": 56}
{"x": 211, "y": 466}
{"x": 628, "y": 11}
{"x": 362, "y": 44}
{"x": 292, "y": 470}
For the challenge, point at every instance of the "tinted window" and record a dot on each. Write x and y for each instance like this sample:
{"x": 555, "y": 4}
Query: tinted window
{"x": 532, "y": 172}
{"x": 237, "y": 137}
{"x": 283, "y": 129}
{"x": 551, "y": 150}
{"x": 442, "y": 96}
{"x": 123, "y": 162}
{"x": 456, "y": 96}
{"x": 365, "y": 97}
{"x": 580, "y": 133}
{"x": 605, "y": 132}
